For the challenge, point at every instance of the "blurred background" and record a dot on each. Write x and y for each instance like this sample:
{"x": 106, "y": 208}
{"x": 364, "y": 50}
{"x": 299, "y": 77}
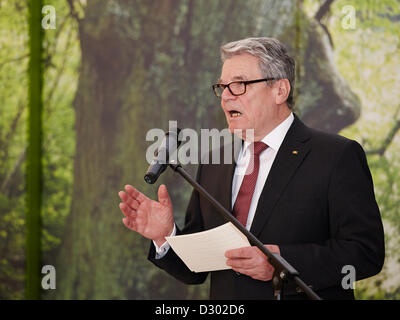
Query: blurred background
{"x": 114, "y": 69}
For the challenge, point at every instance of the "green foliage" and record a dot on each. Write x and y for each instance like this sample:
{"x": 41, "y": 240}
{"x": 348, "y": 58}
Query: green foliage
{"x": 61, "y": 61}
{"x": 368, "y": 57}
{"x": 104, "y": 260}
{"x": 62, "y": 56}
{"x": 13, "y": 97}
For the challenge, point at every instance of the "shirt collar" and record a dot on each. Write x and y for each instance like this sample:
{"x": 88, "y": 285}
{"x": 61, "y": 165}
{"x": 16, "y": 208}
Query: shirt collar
{"x": 275, "y": 138}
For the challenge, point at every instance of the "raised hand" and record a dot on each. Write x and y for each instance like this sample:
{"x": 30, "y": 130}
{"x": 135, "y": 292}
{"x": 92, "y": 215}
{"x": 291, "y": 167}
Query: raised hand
{"x": 152, "y": 219}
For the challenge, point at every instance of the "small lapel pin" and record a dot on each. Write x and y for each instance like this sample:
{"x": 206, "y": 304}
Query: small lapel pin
{"x": 295, "y": 152}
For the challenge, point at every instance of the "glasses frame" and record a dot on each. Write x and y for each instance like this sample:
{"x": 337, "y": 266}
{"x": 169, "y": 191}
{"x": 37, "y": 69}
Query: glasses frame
{"x": 245, "y": 82}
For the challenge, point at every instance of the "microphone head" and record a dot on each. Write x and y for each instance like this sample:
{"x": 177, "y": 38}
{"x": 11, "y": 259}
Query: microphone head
{"x": 154, "y": 171}
{"x": 150, "y": 178}
{"x": 158, "y": 165}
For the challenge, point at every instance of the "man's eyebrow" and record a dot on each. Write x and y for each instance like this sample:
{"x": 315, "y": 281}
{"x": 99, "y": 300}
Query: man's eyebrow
{"x": 235, "y": 78}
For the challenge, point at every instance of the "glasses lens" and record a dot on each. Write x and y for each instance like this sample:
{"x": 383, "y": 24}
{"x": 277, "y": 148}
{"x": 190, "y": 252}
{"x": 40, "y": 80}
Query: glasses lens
{"x": 237, "y": 88}
{"x": 218, "y": 89}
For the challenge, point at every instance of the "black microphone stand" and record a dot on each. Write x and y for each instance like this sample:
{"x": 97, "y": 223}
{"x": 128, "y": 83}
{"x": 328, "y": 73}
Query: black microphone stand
{"x": 283, "y": 271}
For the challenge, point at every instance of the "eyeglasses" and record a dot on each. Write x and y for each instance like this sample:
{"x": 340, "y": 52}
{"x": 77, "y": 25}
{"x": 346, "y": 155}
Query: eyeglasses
{"x": 236, "y": 88}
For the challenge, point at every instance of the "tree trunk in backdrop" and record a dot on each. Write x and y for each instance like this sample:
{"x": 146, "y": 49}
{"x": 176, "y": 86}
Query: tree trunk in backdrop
{"x": 144, "y": 63}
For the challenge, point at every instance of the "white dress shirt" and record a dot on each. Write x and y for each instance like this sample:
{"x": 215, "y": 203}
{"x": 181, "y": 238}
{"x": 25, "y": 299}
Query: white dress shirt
{"x": 274, "y": 140}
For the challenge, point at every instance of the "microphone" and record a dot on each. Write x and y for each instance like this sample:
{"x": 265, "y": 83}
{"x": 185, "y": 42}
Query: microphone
{"x": 160, "y": 161}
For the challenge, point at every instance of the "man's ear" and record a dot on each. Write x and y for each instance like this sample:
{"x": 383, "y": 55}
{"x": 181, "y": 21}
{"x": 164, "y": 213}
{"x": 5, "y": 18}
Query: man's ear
{"x": 283, "y": 91}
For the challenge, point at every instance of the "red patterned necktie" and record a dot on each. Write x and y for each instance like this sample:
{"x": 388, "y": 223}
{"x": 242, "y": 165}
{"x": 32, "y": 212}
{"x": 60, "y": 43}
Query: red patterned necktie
{"x": 243, "y": 199}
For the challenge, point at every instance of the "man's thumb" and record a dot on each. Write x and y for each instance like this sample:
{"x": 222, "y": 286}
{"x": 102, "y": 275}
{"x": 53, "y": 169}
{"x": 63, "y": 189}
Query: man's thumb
{"x": 163, "y": 196}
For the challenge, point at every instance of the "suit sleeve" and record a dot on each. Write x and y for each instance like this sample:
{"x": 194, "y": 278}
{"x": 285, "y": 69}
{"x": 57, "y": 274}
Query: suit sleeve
{"x": 171, "y": 263}
{"x": 356, "y": 231}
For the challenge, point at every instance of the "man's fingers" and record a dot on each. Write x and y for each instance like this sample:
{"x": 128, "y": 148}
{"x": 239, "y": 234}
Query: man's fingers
{"x": 163, "y": 196}
{"x": 127, "y": 211}
{"x": 240, "y": 253}
{"x": 251, "y": 262}
{"x": 135, "y": 194}
{"x": 123, "y": 196}
{"x": 132, "y": 203}
{"x": 242, "y": 264}
{"x": 129, "y": 223}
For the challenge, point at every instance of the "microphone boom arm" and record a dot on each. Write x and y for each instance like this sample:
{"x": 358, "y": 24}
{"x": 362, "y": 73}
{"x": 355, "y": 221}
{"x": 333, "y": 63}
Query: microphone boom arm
{"x": 283, "y": 271}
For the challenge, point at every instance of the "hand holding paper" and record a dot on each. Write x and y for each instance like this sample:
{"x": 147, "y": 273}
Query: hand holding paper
{"x": 205, "y": 251}
{"x": 252, "y": 262}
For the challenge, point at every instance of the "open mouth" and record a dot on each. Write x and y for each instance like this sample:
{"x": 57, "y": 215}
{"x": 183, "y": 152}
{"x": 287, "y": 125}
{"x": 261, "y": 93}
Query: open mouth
{"x": 234, "y": 113}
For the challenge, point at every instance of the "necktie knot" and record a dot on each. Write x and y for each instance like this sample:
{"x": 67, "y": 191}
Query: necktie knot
{"x": 259, "y": 147}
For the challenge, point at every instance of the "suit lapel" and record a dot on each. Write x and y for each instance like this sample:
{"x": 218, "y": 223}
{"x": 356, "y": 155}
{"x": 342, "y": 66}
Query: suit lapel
{"x": 229, "y": 170}
{"x": 291, "y": 154}
{"x": 225, "y": 172}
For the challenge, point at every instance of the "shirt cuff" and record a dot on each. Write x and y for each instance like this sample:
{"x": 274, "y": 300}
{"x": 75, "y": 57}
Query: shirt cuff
{"x": 163, "y": 249}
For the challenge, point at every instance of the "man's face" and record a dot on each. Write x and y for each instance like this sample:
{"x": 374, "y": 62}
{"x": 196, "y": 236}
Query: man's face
{"x": 254, "y": 109}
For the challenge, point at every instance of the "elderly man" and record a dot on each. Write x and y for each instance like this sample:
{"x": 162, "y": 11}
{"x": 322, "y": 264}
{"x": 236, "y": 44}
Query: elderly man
{"x": 309, "y": 197}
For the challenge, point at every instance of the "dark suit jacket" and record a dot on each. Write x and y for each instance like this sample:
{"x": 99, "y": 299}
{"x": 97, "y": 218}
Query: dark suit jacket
{"x": 317, "y": 205}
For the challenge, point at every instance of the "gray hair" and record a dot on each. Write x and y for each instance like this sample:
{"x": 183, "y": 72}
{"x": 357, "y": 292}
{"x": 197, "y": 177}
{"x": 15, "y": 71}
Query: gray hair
{"x": 274, "y": 59}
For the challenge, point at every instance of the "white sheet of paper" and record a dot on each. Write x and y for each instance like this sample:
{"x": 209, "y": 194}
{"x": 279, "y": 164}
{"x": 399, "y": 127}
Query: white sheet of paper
{"x": 205, "y": 251}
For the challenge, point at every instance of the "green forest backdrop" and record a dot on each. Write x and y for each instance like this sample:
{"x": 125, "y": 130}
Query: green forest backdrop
{"x": 114, "y": 69}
